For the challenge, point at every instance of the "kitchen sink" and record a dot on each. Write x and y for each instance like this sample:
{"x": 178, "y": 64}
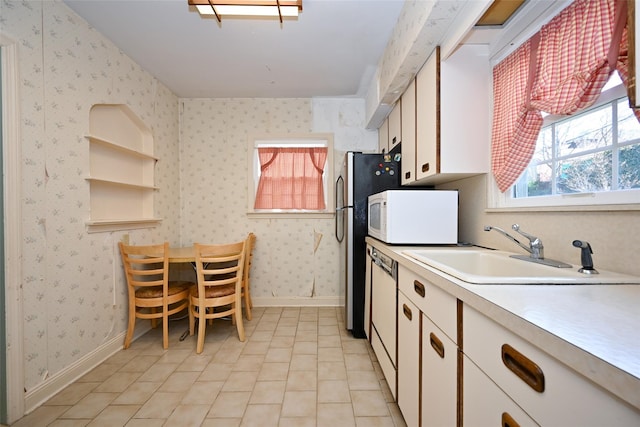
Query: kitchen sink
{"x": 484, "y": 266}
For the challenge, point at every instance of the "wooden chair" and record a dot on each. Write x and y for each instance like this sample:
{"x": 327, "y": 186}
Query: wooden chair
{"x": 248, "y": 257}
{"x": 151, "y": 295}
{"x": 219, "y": 289}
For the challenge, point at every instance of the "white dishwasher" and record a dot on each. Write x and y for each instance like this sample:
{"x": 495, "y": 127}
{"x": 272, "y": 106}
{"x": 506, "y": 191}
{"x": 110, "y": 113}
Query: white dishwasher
{"x": 384, "y": 273}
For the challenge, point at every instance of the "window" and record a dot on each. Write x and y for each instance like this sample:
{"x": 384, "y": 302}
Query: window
{"x": 587, "y": 154}
{"x": 585, "y": 159}
{"x": 291, "y": 175}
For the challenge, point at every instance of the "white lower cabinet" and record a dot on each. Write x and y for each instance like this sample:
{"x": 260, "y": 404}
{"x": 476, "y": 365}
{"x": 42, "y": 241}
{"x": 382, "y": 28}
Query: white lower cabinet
{"x": 439, "y": 377}
{"x": 546, "y": 389}
{"x": 485, "y": 405}
{"x": 408, "y": 360}
{"x": 427, "y": 356}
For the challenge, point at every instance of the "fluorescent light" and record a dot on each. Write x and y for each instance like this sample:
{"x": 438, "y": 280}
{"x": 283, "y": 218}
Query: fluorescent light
{"x": 288, "y": 8}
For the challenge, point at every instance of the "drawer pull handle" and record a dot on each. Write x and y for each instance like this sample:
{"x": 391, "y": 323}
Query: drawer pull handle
{"x": 407, "y": 175}
{"x": 407, "y": 311}
{"x": 436, "y": 344}
{"x": 523, "y": 367}
{"x": 425, "y": 167}
{"x": 419, "y": 288}
{"x": 508, "y": 421}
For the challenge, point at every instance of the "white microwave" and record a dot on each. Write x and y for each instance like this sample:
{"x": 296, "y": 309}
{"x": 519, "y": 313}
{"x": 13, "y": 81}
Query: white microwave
{"x": 414, "y": 216}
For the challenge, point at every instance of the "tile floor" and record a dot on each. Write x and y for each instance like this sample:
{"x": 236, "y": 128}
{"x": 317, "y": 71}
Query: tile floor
{"x": 298, "y": 367}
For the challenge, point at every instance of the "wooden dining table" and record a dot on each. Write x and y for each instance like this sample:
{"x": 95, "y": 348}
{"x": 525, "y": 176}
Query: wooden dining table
{"x": 182, "y": 254}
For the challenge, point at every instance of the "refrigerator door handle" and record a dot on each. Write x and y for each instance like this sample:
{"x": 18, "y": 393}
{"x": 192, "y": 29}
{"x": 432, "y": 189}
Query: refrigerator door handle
{"x": 339, "y": 208}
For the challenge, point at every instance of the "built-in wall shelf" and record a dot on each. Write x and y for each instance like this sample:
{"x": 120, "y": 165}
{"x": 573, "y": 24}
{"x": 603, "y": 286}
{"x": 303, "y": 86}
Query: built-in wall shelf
{"x": 121, "y": 172}
{"x": 118, "y": 147}
{"x": 123, "y": 184}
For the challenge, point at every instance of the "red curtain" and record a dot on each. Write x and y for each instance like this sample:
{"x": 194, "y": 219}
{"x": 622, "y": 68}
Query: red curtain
{"x": 291, "y": 178}
{"x": 560, "y": 70}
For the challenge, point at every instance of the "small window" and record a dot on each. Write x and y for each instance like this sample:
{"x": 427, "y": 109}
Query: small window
{"x": 590, "y": 158}
{"x": 291, "y": 175}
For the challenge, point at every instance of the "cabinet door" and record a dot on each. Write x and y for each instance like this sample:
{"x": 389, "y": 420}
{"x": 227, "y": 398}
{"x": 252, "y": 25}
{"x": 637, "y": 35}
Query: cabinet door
{"x": 409, "y": 134}
{"x": 383, "y": 137}
{"x": 486, "y": 405}
{"x": 465, "y": 80}
{"x": 408, "y": 360}
{"x": 427, "y": 117}
{"x": 439, "y": 376}
{"x": 395, "y": 126}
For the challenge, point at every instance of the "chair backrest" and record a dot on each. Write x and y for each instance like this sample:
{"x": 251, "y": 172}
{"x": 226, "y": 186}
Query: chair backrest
{"x": 218, "y": 265}
{"x": 146, "y": 265}
{"x": 248, "y": 257}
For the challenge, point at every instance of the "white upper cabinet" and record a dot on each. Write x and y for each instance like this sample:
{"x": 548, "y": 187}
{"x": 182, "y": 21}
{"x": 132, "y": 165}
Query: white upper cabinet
{"x": 395, "y": 126}
{"x": 409, "y": 133}
{"x": 453, "y": 116}
{"x": 383, "y": 136}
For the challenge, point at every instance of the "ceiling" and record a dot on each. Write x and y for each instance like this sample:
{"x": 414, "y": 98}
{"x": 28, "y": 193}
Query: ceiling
{"x": 331, "y": 50}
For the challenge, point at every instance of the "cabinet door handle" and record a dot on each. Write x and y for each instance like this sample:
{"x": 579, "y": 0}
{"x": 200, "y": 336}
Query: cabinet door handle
{"x": 523, "y": 367}
{"x": 407, "y": 175}
{"x": 436, "y": 344}
{"x": 508, "y": 421}
{"x": 425, "y": 167}
{"x": 419, "y": 288}
{"x": 407, "y": 311}
{"x": 393, "y": 141}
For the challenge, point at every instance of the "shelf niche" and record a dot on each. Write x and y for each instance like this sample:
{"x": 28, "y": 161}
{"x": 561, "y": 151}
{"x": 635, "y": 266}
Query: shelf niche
{"x": 122, "y": 167}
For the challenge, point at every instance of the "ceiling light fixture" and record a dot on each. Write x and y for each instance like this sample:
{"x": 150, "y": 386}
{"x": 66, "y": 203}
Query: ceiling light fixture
{"x": 269, "y": 8}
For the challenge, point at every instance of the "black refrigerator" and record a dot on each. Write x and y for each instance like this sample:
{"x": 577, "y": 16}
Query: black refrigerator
{"x": 361, "y": 175}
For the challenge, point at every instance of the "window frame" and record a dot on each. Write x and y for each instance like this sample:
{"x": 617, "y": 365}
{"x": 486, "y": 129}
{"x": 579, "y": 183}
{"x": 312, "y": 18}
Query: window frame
{"x": 296, "y": 140}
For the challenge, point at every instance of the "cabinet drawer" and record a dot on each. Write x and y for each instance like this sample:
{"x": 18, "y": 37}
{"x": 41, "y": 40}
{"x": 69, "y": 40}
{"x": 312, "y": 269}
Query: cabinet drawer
{"x": 438, "y": 305}
{"x": 484, "y": 404}
{"x": 439, "y": 376}
{"x": 563, "y": 397}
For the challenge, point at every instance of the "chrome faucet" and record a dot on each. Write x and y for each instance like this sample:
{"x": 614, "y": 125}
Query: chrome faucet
{"x": 535, "y": 248}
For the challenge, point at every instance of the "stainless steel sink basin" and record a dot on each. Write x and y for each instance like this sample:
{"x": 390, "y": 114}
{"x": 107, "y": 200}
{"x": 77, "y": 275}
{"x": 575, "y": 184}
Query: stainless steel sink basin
{"x": 482, "y": 266}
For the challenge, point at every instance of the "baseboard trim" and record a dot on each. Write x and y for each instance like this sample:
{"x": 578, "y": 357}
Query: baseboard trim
{"x": 54, "y": 384}
{"x": 296, "y": 301}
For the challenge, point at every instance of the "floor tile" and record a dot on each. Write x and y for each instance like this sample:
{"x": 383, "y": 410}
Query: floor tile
{"x": 137, "y": 393}
{"x": 90, "y": 405}
{"x": 268, "y": 392}
{"x": 114, "y": 415}
{"x": 187, "y": 416}
{"x": 261, "y": 415}
{"x": 160, "y": 405}
{"x": 203, "y": 393}
{"x": 299, "y": 404}
{"x": 335, "y": 414}
{"x": 230, "y": 405}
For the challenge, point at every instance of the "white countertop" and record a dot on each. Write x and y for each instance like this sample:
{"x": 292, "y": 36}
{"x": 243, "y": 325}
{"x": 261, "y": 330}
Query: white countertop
{"x": 594, "y": 329}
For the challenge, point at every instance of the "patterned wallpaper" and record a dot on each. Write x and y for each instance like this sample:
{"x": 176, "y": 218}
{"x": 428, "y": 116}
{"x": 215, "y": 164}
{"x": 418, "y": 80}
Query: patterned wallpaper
{"x": 74, "y": 293}
{"x": 213, "y": 178}
{"x": 74, "y": 296}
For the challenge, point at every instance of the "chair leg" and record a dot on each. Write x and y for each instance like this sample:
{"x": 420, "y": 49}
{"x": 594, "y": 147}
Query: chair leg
{"x": 202, "y": 325}
{"x": 130, "y": 326}
{"x": 165, "y": 329}
{"x": 247, "y": 303}
{"x": 192, "y": 319}
{"x": 238, "y": 317}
